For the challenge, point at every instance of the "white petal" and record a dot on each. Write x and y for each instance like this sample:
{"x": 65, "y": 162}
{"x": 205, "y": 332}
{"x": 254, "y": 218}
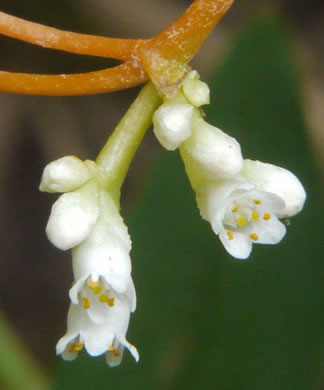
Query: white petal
{"x": 270, "y": 202}
{"x": 74, "y": 322}
{"x": 280, "y": 181}
{"x": 113, "y": 359}
{"x": 173, "y": 124}
{"x": 106, "y": 257}
{"x": 239, "y": 247}
{"x": 196, "y": 91}
{"x": 213, "y": 204}
{"x": 65, "y": 174}
{"x": 269, "y": 232}
{"x": 72, "y": 217}
{"x": 77, "y": 287}
{"x": 98, "y": 338}
{"x": 217, "y": 155}
{"x": 131, "y": 295}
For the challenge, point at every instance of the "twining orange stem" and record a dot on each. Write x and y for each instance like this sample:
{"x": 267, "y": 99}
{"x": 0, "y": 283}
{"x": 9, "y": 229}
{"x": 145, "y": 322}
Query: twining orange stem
{"x": 108, "y": 80}
{"x": 162, "y": 59}
{"x": 52, "y": 38}
{"x": 182, "y": 40}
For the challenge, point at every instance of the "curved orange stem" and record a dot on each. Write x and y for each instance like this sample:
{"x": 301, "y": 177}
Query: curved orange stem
{"x": 182, "y": 40}
{"x": 163, "y": 59}
{"x": 109, "y": 80}
{"x": 52, "y": 38}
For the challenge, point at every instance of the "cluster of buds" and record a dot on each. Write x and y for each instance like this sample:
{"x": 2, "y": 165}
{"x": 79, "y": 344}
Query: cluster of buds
{"x": 242, "y": 199}
{"x": 86, "y": 219}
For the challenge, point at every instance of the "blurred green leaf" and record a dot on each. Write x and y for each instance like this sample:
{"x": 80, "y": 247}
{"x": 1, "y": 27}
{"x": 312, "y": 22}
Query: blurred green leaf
{"x": 206, "y": 320}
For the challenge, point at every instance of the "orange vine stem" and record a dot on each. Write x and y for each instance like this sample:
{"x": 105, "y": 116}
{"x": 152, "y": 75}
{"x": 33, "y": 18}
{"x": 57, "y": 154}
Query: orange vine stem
{"x": 163, "y": 59}
{"x": 108, "y": 80}
{"x": 52, "y": 38}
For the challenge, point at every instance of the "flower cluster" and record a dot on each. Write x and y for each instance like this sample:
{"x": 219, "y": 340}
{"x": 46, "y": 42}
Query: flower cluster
{"x": 86, "y": 220}
{"x": 242, "y": 199}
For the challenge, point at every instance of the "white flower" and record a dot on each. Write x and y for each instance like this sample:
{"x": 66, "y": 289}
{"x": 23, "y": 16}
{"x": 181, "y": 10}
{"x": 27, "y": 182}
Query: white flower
{"x": 103, "y": 260}
{"x": 245, "y": 212}
{"x": 103, "y": 295}
{"x": 107, "y": 337}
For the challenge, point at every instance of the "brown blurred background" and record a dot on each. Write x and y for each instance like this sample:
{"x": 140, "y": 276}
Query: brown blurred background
{"x": 34, "y": 276}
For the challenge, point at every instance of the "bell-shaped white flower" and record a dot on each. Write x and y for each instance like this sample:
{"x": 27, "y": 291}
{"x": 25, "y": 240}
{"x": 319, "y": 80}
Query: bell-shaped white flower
{"x": 64, "y": 175}
{"x": 73, "y": 216}
{"x": 172, "y": 124}
{"x": 103, "y": 260}
{"x": 246, "y": 209}
{"x": 103, "y": 295}
{"x": 242, "y": 215}
{"x": 108, "y": 337}
{"x": 214, "y": 153}
{"x": 271, "y": 178}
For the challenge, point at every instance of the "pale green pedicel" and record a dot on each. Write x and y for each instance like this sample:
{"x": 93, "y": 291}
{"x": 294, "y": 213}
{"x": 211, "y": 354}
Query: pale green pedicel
{"x": 118, "y": 153}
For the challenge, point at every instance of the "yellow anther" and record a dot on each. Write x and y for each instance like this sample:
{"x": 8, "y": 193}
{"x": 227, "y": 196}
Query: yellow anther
{"x": 242, "y": 221}
{"x": 86, "y": 303}
{"x": 93, "y": 285}
{"x": 114, "y": 351}
{"x": 255, "y": 216}
{"x": 72, "y": 348}
{"x": 111, "y": 302}
{"x": 79, "y": 347}
{"x": 257, "y": 201}
{"x": 267, "y": 217}
{"x": 104, "y": 298}
{"x": 230, "y": 235}
{"x": 97, "y": 290}
{"x": 235, "y": 209}
{"x": 254, "y": 237}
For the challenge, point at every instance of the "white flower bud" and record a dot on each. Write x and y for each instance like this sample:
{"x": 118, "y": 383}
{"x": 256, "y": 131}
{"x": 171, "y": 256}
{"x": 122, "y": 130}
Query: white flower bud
{"x": 173, "y": 124}
{"x": 73, "y": 216}
{"x": 217, "y": 155}
{"x": 280, "y": 181}
{"x": 64, "y": 175}
{"x": 196, "y": 91}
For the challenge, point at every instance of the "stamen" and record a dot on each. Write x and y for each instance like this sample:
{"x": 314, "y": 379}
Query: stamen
{"x": 72, "y": 348}
{"x": 242, "y": 221}
{"x": 86, "y": 303}
{"x": 257, "y": 201}
{"x": 255, "y": 216}
{"x": 104, "y": 298}
{"x": 111, "y": 302}
{"x": 114, "y": 351}
{"x": 79, "y": 347}
{"x": 235, "y": 209}
{"x": 267, "y": 217}
{"x": 97, "y": 290}
{"x": 230, "y": 235}
{"x": 254, "y": 237}
{"x": 93, "y": 285}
